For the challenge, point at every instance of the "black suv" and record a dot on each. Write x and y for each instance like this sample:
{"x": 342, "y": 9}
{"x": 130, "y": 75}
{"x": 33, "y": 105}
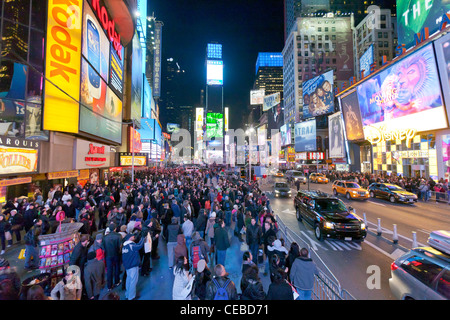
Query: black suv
{"x": 391, "y": 192}
{"x": 329, "y": 216}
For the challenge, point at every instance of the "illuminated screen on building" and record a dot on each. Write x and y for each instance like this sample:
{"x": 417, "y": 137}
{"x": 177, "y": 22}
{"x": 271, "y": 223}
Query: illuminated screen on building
{"x": 214, "y": 125}
{"x": 305, "y": 136}
{"x": 318, "y": 97}
{"x": 406, "y": 95}
{"x": 214, "y": 51}
{"x": 214, "y": 72}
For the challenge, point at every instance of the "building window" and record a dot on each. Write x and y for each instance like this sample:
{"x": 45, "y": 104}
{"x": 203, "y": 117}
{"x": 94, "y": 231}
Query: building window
{"x": 319, "y": 29}
{"x": 333, "y": 37}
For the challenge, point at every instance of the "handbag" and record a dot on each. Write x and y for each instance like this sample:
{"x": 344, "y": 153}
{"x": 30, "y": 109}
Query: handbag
{"x": 294, "y": 291}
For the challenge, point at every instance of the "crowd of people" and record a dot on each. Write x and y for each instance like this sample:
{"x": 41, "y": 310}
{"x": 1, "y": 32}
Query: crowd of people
{"x": 196, "y": 215}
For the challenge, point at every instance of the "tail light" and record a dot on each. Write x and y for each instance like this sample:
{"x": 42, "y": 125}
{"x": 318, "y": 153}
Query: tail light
{"x": 394, "y": 266}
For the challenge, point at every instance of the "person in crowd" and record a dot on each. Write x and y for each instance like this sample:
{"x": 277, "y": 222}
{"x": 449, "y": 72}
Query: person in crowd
{"x": 222, "y": 242}
{"x": 202, "y": 276}
{"x": 279, "y": 289}
{"x": 94, "y": 276}
{"x": 31, "y": 243}
{"x": 36, "y": 292}
{"x": 253, "y": 236}
{"x": 70, "y": 286}
{"x": 112, "y": 247}
{"x": 173, "y": 230}
{"x": 302, "y": 274}
{"x": 221, "y": 287}
{"x": 131, "y": 262}
{"x": 183, "y": 281}
{"x": 251, "y": 285}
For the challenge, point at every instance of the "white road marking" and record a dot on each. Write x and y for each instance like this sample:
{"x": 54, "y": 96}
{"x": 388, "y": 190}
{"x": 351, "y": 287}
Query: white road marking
{"x": 392, "y": 256}
{"x": 379, "y": 204}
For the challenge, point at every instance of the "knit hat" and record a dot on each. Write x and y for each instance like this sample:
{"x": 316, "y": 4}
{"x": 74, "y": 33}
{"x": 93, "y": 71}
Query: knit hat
{"x": 98, "y": 237}
{"x": 213, "y": 215}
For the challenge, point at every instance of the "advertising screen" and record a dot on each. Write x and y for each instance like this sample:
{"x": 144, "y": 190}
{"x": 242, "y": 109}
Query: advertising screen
{"x": 413, "y": 16}
{"x": 305, "y": 136}
{"x": 214, "y": 51}
{"x": 366, "y": 60}
{"x": 275, "y": 117}
{"x": 100, "y": 109}
{"x": 214, "y": 72}
{"x": 116, "y": 73}
{"x": 95, "y": 45}
{"x": 136, "y": 79}
{"x": 442, "y": 48}
{"x": 352, "y": 116}
{"x": 62, "y": 91}
{"x": 336, "y": 136}
{"x": 147, "y": 99}
{"x": 172, "y": 127}
{"x": 285, "y": 131}
{"x": 257, "y": 97}
{"x": 405, "y": 95}
{"x": 271, "y": 101}
{"x": 318, "y": 97}
{"x": 214, "y": 125}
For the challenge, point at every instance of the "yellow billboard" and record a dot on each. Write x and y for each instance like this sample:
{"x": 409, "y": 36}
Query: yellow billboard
{"x": 62, "y": 66}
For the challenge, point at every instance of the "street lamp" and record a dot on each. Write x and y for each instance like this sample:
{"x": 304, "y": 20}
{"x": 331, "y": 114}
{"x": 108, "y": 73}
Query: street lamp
{"x": 249, "y": 132}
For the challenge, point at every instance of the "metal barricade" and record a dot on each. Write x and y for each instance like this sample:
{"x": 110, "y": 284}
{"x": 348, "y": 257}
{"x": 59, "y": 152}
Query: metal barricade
{"x": 439, "y": 196}
{"x": 325, "y": 287}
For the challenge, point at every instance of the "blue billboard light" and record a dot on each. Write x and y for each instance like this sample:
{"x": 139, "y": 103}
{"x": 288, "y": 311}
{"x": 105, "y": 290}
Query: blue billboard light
{"x": 214, "y": 51}
{"x": 269, "y": 59}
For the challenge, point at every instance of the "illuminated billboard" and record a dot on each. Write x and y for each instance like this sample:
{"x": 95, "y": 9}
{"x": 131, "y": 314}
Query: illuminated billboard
{"x": 257, "y": 97}
{"x": 406, "y": 95}
{"x": 271, "y": 100}
{"x": 318, "y": 97}
{"x": 352, "y": 116}
{"x": 214, "y": 72}
{"x": 366, "y": 60}
{"x": 62, "y": 66}
{"x": 214, "y": 51}
{"x": 136, "y": 79}
{"x": 286, "y": 137}
{"x": 305, "y": 136}
{"x": 442, "y": 48}
{"x": 336, "y": 136}
{"x": 214, "y": 125}
{"x": 413, "y": 16}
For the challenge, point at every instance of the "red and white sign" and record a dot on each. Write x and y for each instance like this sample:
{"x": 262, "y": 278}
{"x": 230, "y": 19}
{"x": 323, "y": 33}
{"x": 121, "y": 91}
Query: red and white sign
{"x": 91, "y": 155}
{"x": 316, "y": 155}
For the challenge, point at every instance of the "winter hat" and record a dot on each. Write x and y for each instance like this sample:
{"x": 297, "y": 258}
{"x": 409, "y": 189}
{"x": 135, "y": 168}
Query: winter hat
{"x": 201, "y": 265}
{"x": 213, "y": 215}
{"x": 98, "y": 237}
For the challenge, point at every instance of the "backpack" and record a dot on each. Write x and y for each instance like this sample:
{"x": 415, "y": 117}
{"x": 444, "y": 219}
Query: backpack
{"x": 196, "y": 255}
{"x": 221, "y": 293}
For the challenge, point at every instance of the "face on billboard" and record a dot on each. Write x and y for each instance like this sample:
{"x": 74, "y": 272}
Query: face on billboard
{"x": 305, "y": 136}
{"x": 352, "y": 116}
{"x": 275, "y": 117}
{"x": 318, "y": 98}
{"x": 336, "y": 136}
{"x": 413, "y": 16}
{"x": 405, "y": 95}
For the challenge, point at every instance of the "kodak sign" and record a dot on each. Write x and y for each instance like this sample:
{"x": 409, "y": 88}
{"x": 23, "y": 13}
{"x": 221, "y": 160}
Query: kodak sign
{"x": 62, "y": 65}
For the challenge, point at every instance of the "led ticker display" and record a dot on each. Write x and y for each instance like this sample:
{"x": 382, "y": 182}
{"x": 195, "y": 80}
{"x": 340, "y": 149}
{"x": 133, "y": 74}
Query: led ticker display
{"x": 214, "y": 125}
{"x": 214, "y": 72}
{"x": 404, "y": 95}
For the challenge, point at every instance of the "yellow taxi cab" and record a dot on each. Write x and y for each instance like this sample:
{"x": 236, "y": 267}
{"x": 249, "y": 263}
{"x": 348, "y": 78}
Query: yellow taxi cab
{"x": 318, "y": 178}
{"x": 350, "y": 189}
{"x": 279, "y": 174}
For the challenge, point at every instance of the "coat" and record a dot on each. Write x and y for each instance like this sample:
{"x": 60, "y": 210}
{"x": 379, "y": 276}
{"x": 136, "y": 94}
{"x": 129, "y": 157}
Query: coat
{"x": 280, "y": 291}
{"x": 180, "y": 249}
{"x": 221, "y": 239}
{"x": 94, "y": 277}
{"x": 211, "y": 288}
{"x": 302, "y": 273}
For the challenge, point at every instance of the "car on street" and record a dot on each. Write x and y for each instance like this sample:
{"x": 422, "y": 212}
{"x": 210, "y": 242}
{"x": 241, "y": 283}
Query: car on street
{"x": 278, "y": 173}
{"x": 294, "y": 175}
{"x": 281, "y": 189}
{"x": 423, "y": 273}
{"x": 391, "y": 192}
{"x": 318, "y": 178}
{"x": 350, "y": 189}
{"x": 328, "y": 216}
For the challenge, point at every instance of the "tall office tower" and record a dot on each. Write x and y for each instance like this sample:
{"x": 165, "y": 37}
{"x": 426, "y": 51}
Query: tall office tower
{"x": 295, "y": 8}
{"x": 375, "y": 36}
{"x": 173, "y": 77}
{"x": 317, "y": 44}
{"x": 359, "y": 8}
{"x": 268, "y": 77}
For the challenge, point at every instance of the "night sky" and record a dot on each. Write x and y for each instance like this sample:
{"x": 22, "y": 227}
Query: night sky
{"x": 244, "y": 28}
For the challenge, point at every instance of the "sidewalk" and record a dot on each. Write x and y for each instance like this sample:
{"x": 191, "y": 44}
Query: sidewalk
{"x": 157, "y": 286}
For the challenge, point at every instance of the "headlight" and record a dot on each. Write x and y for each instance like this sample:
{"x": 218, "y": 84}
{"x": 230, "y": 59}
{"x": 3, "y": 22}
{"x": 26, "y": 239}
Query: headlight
{"x": 363, "y": 225}
{"x": 276, "y": 191}
{"x": 329, "y": 225}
